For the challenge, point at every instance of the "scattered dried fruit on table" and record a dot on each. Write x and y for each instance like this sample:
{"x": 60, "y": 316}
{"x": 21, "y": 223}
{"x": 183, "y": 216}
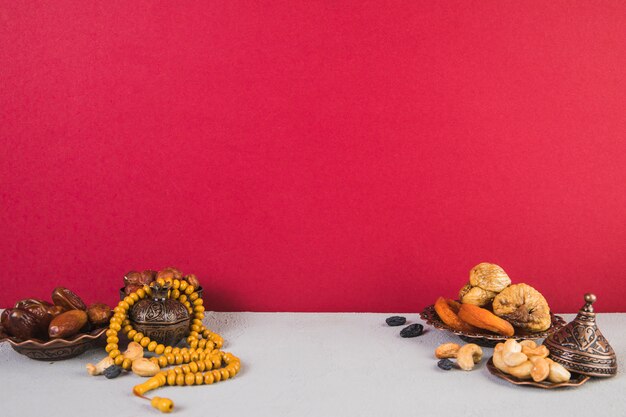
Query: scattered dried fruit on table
{"x": 445, "y": 364}
{"x": 524, "y": 307}
{"x": 112, "y": 371}
{"x": 447, "y": 311}
{"x": 412, "y": 330}
{"x": 395, "y": 321}
{"x": 484, "y": 319}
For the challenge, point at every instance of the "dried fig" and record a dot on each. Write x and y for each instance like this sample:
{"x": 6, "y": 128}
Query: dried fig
{"x": 192, "y": 280}
{"x": 169, "y": 274}
{"x": 67, "y": 299}
{"x": 149, "y": 275}
{"x": 99, "y": 314}
{"x": 524, "y": 307}
{"x": 20, "y": 323}
{"x": 478, "y": 297}
{"x": 67, "y": 324}
{"x": 489, "y": 277}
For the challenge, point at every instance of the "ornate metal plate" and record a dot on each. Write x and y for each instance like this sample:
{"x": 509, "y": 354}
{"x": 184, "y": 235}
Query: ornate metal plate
{"x": 576, "y": 380}
{"x": 56, "y": 349}
{"x": 488, "y": 339}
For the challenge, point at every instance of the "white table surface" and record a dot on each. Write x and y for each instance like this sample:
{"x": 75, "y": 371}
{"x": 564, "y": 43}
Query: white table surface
{"x": 299, "y": 364}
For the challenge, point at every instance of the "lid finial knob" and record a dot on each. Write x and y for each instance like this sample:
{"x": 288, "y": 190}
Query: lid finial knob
{"x": 589, "y": 300}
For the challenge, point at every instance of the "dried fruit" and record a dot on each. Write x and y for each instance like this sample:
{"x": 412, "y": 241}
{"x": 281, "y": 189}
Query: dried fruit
{"x": 468, "y": 356}
{"x": 43, "y": 311}
{"x": 395, "y": 321}
{"x": 20, "y": 323}
{"x": 445, "y": 364}
{"x": 130, "y": 288}
{"x": 112, "y": 371}
{"x": 477, "y": 296}
{"x": 67, "y": 299}
{"x": 67, "y": 324}
{"x": 447, "y": 311}
{"x": 489, "y": 277}
{"x": 169, "y": 273}
{"x": 524, "y": 307}
{"x": 99, "y": 314}
{"x": 138, "y": 278}
{"x": 484, "y": 319}
{"x": 447, "y": 350}
{"x": 412, "y": 330}
{"x": 192, "y": 280}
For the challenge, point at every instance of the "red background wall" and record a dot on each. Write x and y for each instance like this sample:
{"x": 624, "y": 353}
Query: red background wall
{"x": 327, "y": 156}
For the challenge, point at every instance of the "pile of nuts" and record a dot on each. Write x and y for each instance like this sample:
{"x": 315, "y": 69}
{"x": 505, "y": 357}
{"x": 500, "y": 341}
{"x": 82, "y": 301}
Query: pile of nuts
{"x": 526, "y": 360}
{"x": 65, "y": 317}
{"x": 134, "y": 354}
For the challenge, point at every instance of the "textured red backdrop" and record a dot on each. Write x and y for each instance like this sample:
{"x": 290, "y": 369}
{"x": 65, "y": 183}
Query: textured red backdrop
{"x": 314, "y": 156}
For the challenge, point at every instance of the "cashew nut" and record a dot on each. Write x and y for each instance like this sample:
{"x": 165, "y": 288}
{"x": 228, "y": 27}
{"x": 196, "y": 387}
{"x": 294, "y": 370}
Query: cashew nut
{"x": 521, "y": 371}
{"x": 541, "y": 351}
{"x": 100, "y": 366}
{"x": 133, "y": 351}
{"x": 498, "y": 361}
{"x": 558, "y": 373}
{"x": 528, "y": 343}
{"x": 540, "y": 370}
{"x": 511, "y": 345}
{"x": 145, "y": 367}
{"x": 514, "y": 358}
{"x": 447, "y": 350}
{"x": 469, "y": 355}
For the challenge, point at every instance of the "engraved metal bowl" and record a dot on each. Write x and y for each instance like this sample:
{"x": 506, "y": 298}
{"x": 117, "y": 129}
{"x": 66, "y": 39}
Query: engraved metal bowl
{"x": 56, "y": 349}
{"x": 486, "y": 338}
{"x": 575, "y": 381}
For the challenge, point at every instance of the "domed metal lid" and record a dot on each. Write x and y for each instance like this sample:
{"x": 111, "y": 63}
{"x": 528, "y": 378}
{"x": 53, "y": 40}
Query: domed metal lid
{"x": 580, "y": 346}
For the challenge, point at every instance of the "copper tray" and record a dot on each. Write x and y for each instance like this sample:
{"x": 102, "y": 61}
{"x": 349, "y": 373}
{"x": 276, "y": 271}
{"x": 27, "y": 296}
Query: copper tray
{"x": 488, "y": 339}
{"x": 575, "y": 381}
{"x": 55, "y": 349}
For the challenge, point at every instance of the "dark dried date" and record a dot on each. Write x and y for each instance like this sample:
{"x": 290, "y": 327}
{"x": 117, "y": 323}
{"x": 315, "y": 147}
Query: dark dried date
{"x": 43, "y": 311}
{"x": 20, "y": 323}
{"x": 67, "y": 299}
{"x": 67, "y": 324}
{"x": 99, "y": 314}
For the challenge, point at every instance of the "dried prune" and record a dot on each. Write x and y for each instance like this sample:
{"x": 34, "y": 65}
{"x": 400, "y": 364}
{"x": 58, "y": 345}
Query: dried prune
{"x": 112, "y": 371}
{"x": 412, "y": 330}
{"x": 396, "y": 321}
{"x": 445, "y": 364}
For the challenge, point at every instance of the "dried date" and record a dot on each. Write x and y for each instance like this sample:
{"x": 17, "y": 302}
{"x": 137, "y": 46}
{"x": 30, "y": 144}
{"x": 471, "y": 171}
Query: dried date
{"x": 67, "y": 299}
{"x": 67, "y": 324}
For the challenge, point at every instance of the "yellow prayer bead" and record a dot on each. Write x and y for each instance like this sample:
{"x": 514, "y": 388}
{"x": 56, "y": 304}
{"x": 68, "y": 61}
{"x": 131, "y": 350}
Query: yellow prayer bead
{"x": 198, "y": 302}
{"x": 199, "y": 316}
{"x": 127, "y": 364}
{"x": 225, "y": 374}
{"x": 111, "y": 346}
{"x": 131, "y": 334}
{"x": 162, "y": 362}
{"x": 175, "y": 294}
{"x": 170, "y": 358}
{"x": 115, "y": 353}
{"x": 183, "y": 285}
{"x": 168, "y": 349}
{"x": 202, "y": 343}
{"x": 124, "y": 304}
{"x": 134, "y": 296}
{"x": 171, "y": 379}
{"x": 208, "y": 378}
{"x": 159, "y": 349}
{"x": 190, "y": 289}
{"x": 208, "y": 365}
{"x": 145, "y": 341}
{"x": 115, "y": 326}
{"x": 185, "y": 357}
{"x": 137, "y": 338}
{"x": 231, "y": 371}
{"x": 190, "y": 379}
{"x": 118, "y": 360}
{"x": 199, "y": 378}
{"x": 180, "y": 379}
{"x": 194, "y": 296}
{"x": 141, "y": 293}
{"x": 193, "y": 367}
{"x": 193, "y": 333}
{"x": 176, "y": 350}
{"x": 111, "y": 333}
{"x": 186, "y": 369}
{"x": 127, "y": 328}
{"x": 201, "y": 366}
{"x": 193, "y": 343}
{"x": 160, "y": 281}
{"x": 176, "y": 284}
{"x": 152, "y": 346}
{"x": 217, "y": 375}
{"x": 178, "y": 359}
